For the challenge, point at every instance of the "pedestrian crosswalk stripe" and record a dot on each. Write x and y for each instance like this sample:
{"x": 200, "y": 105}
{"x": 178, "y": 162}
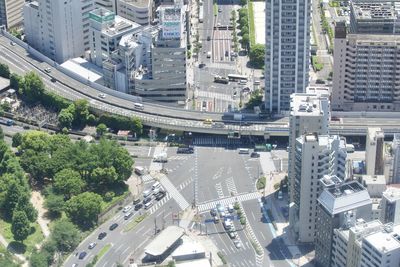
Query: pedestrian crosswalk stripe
{"x": 157, "y": 205}
{"x": 229, "y": 200}
{"x": 176, "y": 195}
{"x": 147, "y": 178}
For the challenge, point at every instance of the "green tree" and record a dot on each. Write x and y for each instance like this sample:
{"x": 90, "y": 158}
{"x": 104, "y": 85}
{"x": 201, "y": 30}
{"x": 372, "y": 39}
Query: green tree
{"x": 16, "y": 139}
{"x": 81, "y": 112}
{"x": 65, "y": 235}
{"x": 24, "y": 204}
{"x": 257, "y": 55}
{"x": 91, "y": 120}
{"x": 244, "y": 22}
{"x": 6, "y": 106}
{"x": 244, "y": 30}
{"x": 11, "y": 198}
{"x": 255, "y": 99}
{"x": 54, "y": 204}
{"x": 35, "y": 140}
{"x": 84, "y": 208}
{"x": 104, "y": 176}
{"x": 243, "y": 2}
{"x": 245, "y": 40}
{"x": 243, "y": 12}
{"x": 101, "y": 129}
{"x": 136, "y": 125}
{"x": 68, "y": 182}
{"x": 1, "y": 133}
{"x": 39, "y": 259}
{"x": 37, "y": 164}
{"x": 4, "y": 71}
{"x": 33, "y": 87}
{"x": 65, "y": 118}
{"x": 15, "y": 81}
{"x": 20, "y": 226}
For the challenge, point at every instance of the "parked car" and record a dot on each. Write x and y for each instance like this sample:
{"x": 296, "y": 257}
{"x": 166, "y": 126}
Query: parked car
{"x": 102, "y": 235}
{"x": 128, "y": 215}
{"x": 126, "y": 208}
{"x": 146, "y": 200}
{"x": 92, "y": 245}
{"x": 255, "y": 155}
{"x": 113, "y": 226}
{"x": 138, "y": 206}
{"x": 82, "y": 255}
{"x": 136, "y": 201}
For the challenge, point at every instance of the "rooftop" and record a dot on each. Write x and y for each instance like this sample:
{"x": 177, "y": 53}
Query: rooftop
{"x": 83, "y": 68}
{"x": 392, "y": 194}
{"x": 188, "y": 247}
{"x": 138, "y": 3}
{"x": 119, "y": 26}
{"x": 374, "y": 133}
{"x": 306, "y": 104}
{"x": 330, "y": 181}
{"x": 344, "y": 197}
{"x": 194, "y": 263}
{"x": 376, "y": 11}
{"x": 164, "y": 240}
{"x": 374, "y": 179}
{"x": 386, "y": 240}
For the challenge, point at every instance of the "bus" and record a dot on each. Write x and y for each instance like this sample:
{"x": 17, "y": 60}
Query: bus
{"x": 138, "y": 106}
{"x": 244, "y": 151}
{"x": 236, "y": 77}
{"x": 201, "y": 14}
{"x": 220, "y": 79}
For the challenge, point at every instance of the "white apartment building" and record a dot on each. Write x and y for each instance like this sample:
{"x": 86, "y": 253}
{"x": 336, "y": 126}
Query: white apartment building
{"x": 396, "y": 159}
{"x": 106, "y": 31}
{"x": 390, "y": 205}
{"x": 59, "y": 28}
{"x": 139, "y": 11}
{"x": 374, "y": 158}
{"x": 287, "y": 51}
{"x": 366, "y": 71}
{"x": 11, "y": 13}
{"x": 310, "y": 113}
{"x": 315, "y": 157}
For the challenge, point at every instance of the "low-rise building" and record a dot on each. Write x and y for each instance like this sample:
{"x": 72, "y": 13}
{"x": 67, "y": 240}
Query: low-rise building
{"x": 139, "y": 11}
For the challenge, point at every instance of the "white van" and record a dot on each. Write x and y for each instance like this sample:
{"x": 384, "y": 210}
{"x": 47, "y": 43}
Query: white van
{"x": 244, "y": 151}
{"x": 230, "y": 208}
{"x": 138, "y": 106}
{"x": 148, "y": 205}
{"x": 139, "y": 170}
{"x": 128, "y": 215}
{"x": 155, "y": 186}
{"x": 147, "y": 193}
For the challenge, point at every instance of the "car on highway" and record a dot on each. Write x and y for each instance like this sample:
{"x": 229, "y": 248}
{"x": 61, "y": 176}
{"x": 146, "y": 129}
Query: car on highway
{"x": 102, "y": 235}
{"x": 213, "y": 212}
{"x": 202, "y": 65}
{"x": 48, "y": 69}
{"x": 280, "y": 195}
{"x": 232, "y": 235}
{"x": 12, "y": 43}
{"x": 92, "y": 245}
{"x": 126, "y": 208}
{"x": 82, "y": 255}
{"x": 218, "y": 125}
{"x": 254, "y": 155}
{"x": 128, "y": 215}
{"x": 237, "y": 243}
{"x": 160, "y": 195}
{"x": 138, "y": 206}
{"x": 102, "y": 95}
{"x": 113, "y": 226}
{"x": 216, "y": 219}
{"x": 207, "y": 121}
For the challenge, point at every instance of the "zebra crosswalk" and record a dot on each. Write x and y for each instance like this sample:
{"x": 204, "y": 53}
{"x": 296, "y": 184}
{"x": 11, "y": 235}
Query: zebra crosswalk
{"x": 147, "y": 178}
{"x": 220, "y": 192}
{"x": 217, "y": 140}
{"x": 171, "y": 189}
{"x": 230, "y": 183}
{"x": 229, "y": 200}
{"x": 214, "y": 95}
{"x": 158, "y": 205}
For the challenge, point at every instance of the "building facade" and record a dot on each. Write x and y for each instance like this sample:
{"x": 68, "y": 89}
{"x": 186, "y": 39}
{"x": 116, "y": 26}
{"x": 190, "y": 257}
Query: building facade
{"x": 374, "y": 156}
{"x": 391, "y": 206}
{"x": 287, "y": 49}
{"x": 396, "y": 159}
{"x": 139, "y": 11}
{"x": 339, "y": 206}
{"x": 110, "y": 5}
{"x": 316, "y": 156}
{"x": 59, "y": 29}
{"x": 11, "y": 13}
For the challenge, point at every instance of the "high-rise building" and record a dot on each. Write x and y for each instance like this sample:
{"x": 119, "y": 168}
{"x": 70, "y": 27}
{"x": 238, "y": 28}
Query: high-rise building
{"x": 374, "y": 151}
{"x": 11, "y": 13}
{"x": 139, "y": 11}
{"x": 396, "y": 159}
{"x": 310, "y": 113}
{"x": 59, "y": 29}
{"x": 111, "y": 5}
{"x": 287, "y": 51}
{"x": 391, "y": 206}
{"x": 106, "y": 31}
{"x": 366, "y": 70}
{"x": 338, "y": 206}
{"x": 315, "y": 157}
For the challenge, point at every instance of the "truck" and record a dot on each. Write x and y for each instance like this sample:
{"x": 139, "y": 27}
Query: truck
{"x": 228, "y": 225}
{"x": 162, "y": 157}
{"x": 238, "y": 116}
{"x": 139, "y": 170}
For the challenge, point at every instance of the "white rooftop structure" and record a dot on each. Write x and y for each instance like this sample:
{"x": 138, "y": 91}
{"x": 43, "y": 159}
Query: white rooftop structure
{"x": 347, "y": 196}
{"x": 189, "y": 246}
{"x": 84, "y": 69}
{"x": 385, "y": 241}
{"x": 194, "y": 263}
{"x": 164, "y": 240}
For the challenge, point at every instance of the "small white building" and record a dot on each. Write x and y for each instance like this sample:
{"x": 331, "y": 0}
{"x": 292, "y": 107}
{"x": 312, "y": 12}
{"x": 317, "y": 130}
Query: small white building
{"x": 375, "y": 184}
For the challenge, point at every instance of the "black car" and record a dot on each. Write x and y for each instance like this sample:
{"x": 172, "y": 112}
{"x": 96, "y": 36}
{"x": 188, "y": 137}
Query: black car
{"x": 160, "y": 195}
{"x": 138, "y": 206}
{"x": 82, "y": 255}
{"x": 113, "y": 226}
{"x": 146, "y": 200}
{"x": 102, "y": 235}
{"x": 213, "y": 212}
{"x": 208, "y": 38}
{"x": 255, "y": 155}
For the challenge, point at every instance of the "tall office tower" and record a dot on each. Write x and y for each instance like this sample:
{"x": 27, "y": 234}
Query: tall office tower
{"x": 338, "y": 206}
{"x": 391, "y": 206}
{"x": 287, "y": 51}
{"x": 310, "y": 113}
{"x": 11, "y": 13}
{"x": 396, "y": 159}
{"x": 366, "y": 69}
{"x": 139, "y": 11}
{"x": 374, "y": 151}
{"x": 315, "y": 157}
{"x": 111, "y": 5}
{"x": 347, "y": 242}
{"x": 106, "y": 31}
{"x": 59, "y": 29}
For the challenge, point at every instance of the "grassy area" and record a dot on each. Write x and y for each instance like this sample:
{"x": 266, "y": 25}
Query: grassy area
{"x": 6, "y": 258}
{"x": 134, "y": 222}
{"x": 256, "y": 247}
{"x": 215, "y": 9}
{"x": 29, "y": 244}
{"x": 103, "y": 251}
{"x": 316, "y": 65}
{"x": 261, "y": 183}
{"x": 252, "y": 32}
{"x": 334, "y": 3}
{"x": 105, "y": 205}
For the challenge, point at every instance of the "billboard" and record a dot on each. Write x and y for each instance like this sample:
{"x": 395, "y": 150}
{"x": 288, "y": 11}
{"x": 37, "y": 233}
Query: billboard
{"x": 171, "y": 29}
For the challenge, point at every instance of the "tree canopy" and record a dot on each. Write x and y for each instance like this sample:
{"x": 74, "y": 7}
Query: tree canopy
{"x": 257, "y": 55}
{"x": 20, "y": 226}
{"x": 84, "y": 208}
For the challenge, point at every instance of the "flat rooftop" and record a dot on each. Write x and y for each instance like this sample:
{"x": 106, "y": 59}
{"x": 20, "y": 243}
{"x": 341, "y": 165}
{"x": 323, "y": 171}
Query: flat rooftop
{"x": 83, "y": 68}
{"x": 392, "y": 194}
{"x": 385, "y": 241}
{"x": 164, "y": 240}
{"x": 375, "y": 11}
{"x": 307, "y": 104}
{"x": 120, "y": 26}
{"x": 194, "y": 263}
{"x": 137, "y": 3}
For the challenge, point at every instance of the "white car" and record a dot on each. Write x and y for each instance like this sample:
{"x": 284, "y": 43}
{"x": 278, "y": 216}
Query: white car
{"x": 126, "y": 209}
{"x": 92, "y": 245}
{"x": 102, "y": 95}
{"x": 237, "y": 243}
{"x": 48, "y": 69}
